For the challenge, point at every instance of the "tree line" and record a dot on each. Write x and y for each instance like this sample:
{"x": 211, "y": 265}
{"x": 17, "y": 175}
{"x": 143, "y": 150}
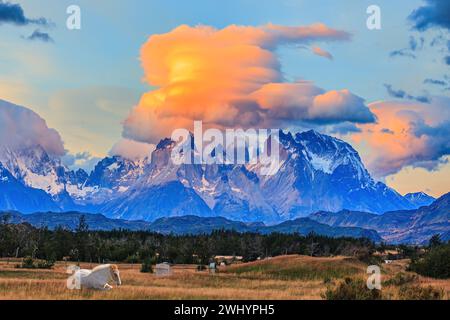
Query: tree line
{"x": 435, "y": 262}
{"x": 84, "y": 245}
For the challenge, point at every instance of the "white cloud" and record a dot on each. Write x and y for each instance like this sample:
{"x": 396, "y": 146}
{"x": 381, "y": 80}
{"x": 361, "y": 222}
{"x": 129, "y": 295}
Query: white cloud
{"x": 21, "y": 128}
{"x": 132, "y": 150}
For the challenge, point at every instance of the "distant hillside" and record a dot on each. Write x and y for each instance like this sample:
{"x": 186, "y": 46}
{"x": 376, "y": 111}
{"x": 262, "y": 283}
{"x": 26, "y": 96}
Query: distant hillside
{"x": 306, "y": 226}
{"x": 186, "y": 225}
{"x": 70, "y": 220}
{"x": 404, "y": 226}
{"x": 197, "y": 225}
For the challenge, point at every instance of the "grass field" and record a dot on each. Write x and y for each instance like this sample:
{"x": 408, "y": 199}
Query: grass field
{"x": 285, "y": 277}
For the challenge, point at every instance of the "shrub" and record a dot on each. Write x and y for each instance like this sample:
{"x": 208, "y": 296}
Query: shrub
{"x": 201, "y": 267}
{"x": 401, "y": 279}
{"x": 147, "y": 266}
{"x": 29, "y": 263}
{"x": 435, "y": 241}
{"x": 352, "y": 289}
{"x": 409, "y": 251}
{"x": 47, "y": 264}
{"x": 408, "y": 292}
{"x": 435, "y": 263}
{"x": 327, "y": 280}
{"x": 366, "y": 256}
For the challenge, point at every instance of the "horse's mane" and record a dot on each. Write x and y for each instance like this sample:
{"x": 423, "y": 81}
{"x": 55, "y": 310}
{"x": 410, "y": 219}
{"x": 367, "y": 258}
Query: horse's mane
{"x": 101, "y": 267}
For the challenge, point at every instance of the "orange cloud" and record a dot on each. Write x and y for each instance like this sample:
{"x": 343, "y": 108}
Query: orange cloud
{"x": 406, "y": 133}
{"x": 232, "y": 78}
{"x": 322, "y": 53}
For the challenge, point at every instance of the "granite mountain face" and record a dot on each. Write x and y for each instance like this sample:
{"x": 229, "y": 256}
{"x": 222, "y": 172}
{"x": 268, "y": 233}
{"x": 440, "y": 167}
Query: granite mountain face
{"x": 318, "y": 172}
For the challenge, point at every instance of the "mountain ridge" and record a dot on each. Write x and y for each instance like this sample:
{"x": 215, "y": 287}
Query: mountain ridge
{"x": 317, "y": 172}
{"x": 412, "y": 226}
{"x": 420, "y": 199}
{"x": 188, "y": 224}
{"x": 14, "y": 195}
{"x": 403, "y": 226}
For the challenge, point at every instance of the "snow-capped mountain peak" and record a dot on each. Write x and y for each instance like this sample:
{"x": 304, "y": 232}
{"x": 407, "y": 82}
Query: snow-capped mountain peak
{"x": 317, "y": 172}
{"x": 420, "y": 199}
{"x": 35, "y": 168}
{"x": 327, "y": 153}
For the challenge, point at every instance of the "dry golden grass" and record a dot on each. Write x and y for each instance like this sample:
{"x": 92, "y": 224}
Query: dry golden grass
{"x": 300, "y": 267}
{"x": 285, "y": 277}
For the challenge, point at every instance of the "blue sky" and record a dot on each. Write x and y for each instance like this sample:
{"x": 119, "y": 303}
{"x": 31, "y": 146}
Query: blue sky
{"x": 106, "y": 50}
{"x": 86, "y": 81}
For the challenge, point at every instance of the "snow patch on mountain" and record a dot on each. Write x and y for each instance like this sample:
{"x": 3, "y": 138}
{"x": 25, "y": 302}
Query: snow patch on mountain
{"x": 35, "y": 168}
{"x": 321, "y": 163}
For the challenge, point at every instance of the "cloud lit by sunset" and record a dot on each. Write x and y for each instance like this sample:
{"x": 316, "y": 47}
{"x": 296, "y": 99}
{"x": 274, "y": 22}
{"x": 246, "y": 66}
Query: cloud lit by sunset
{"x": 116, "y": 87}
{"x": 406, "y": 133}
{"x": 232, "y": 78}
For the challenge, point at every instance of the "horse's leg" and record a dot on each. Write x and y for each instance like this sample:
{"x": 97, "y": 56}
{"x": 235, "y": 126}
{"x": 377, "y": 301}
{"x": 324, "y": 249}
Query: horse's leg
{"x": 107, "y": 287}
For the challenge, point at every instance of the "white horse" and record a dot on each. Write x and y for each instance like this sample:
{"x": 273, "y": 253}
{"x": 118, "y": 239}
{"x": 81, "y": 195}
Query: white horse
{"x": 97, "y": 278}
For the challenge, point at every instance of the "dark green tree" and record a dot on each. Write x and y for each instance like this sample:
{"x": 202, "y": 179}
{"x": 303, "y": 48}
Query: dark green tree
{"x": 435, "y": 241}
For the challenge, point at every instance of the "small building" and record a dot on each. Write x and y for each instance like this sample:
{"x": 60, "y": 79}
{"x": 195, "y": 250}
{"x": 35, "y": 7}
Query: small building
{"x": 389, "y": 255}
{"x": 228, "y": 259}
{"x": 163, "y": 269}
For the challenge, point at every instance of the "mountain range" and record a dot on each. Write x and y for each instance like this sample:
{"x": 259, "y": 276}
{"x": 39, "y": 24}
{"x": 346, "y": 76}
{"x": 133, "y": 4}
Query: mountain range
{"x": 185, "y": 225}
{"x": 403, "y": 226}
{"x": 317, "y": 173}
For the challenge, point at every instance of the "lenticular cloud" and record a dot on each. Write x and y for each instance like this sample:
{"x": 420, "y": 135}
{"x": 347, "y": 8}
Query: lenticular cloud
{"x": 232, "y": 78}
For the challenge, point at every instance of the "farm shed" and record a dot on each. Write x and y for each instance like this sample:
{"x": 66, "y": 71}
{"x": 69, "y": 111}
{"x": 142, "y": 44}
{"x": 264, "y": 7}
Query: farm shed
{"x": 163, "y": 269}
